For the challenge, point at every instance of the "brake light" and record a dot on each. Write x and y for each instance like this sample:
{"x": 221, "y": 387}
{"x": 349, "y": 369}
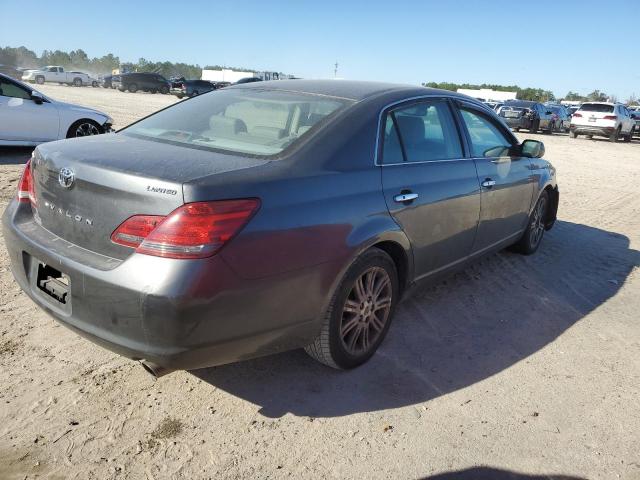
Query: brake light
{"x": 194, "y": 230}
{"x": 610, "y": 117}
{"x": 135, "y": 229}
{"x": 577, "y": 115}
{"x": 26, "y": 191}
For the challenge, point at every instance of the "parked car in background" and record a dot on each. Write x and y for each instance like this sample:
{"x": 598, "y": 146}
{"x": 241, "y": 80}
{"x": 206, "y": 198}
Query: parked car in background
{"x": 532, "y": 116}
{"x": 493, "y": 105}
{"x": 191, "y": 88}
{"x": 146, "y": 82}
{"x": 635, "y": 116}
{"x": 208, "y": 231}
{"x": 56, "y": 74}
{"x": 89, "y": 80}
{"x": 573, "y": 109}
{"x": 604, "y": 119}
{"x": 105, "y": 81}
{"x": 561, "y": 117}
{"x": 248, "y": 80}
{"x": 27, "y": 117}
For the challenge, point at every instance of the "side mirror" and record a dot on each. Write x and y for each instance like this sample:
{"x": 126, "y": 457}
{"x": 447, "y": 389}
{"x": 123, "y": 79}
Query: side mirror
{"x": 532, "y": 149}
{"x": 37, "y": 98}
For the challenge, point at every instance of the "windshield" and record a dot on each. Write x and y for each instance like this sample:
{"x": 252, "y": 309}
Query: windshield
{"x": 250, "y": 121}
{"x": 596, "y": 107}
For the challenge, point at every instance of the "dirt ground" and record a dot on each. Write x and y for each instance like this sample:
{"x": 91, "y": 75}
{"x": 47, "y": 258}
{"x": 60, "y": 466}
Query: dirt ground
{"x": 517, "y": 368}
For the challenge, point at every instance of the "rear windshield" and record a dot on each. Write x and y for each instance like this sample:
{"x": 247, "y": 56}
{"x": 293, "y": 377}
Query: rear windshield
{"x": 248, "y": 121}
{"x": 596, "y": 107}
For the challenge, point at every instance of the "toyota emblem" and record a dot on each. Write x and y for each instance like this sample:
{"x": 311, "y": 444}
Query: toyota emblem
{"x": 66, "y": 177}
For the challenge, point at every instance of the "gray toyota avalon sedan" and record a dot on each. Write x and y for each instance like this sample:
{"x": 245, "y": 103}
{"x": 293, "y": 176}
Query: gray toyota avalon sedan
{"x": 270, "y": 216}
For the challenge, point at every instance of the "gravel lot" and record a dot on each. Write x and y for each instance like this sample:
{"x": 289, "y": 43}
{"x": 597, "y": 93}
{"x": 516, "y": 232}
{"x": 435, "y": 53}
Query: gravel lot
{"x": 518, "y": 367}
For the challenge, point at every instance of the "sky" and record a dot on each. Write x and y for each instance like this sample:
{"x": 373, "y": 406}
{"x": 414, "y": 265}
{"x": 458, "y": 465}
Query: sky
{"x": 561, "y": 45}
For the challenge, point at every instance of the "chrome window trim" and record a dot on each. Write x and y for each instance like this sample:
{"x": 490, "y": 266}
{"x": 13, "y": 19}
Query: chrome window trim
{"x": 399, "y": 102}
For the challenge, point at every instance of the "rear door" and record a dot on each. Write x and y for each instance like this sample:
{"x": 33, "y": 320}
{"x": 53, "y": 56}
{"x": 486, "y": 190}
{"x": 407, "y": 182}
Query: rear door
{"x": 506, "y": 180}
{"x": 431, "y": 189}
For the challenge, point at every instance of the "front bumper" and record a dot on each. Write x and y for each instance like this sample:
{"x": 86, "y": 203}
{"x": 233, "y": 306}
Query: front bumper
{"x": 178, "y": 314}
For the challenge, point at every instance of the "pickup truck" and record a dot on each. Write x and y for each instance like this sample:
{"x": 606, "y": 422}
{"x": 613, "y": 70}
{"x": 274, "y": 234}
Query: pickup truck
{"x": 53, "y": 73}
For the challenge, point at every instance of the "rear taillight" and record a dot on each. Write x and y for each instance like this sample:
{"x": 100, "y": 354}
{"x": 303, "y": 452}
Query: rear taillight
{"x": 610, "y": 117}
{"x": 577, "y": 115}
{"x": 26, "y": 192}
{"x": 194, "y": 230}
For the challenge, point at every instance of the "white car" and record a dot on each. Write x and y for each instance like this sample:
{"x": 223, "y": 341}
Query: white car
{"x": 27, "y": 117}
{"x": 54, "y": 73}
{"x": 605, "y": 119}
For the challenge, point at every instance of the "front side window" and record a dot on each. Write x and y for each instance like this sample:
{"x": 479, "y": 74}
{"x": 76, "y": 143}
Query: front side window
{"x": 422, "y": 132}
{"x": 487, "y": 139}
{"x": 246, "y": 121}
{"x": 9, "y": 89}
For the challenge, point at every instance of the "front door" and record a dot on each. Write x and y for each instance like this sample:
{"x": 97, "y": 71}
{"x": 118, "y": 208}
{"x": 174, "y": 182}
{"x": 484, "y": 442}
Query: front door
{"x": 21, "y": 119}
{"x": 431, "y": 190}
{"x": 506, "y": 180}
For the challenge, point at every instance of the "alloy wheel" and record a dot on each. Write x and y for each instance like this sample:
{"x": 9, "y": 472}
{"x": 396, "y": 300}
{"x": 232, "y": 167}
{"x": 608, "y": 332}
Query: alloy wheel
{"x": 366, "y": 311}
{"x": 86, "y": 129}
{"x": 536, "y": 229}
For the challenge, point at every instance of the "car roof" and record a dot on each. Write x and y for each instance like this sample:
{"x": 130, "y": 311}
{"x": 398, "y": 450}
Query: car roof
{"x": 601, "y": 103}
{"x": 348, "y": 89}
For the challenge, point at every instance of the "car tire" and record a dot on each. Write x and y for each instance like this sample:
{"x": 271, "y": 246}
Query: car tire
{"x": 615, "y": 135}
{"x": 532, "y": 236}
{"x": 164, "y": 89}
{"x": 40, "y": 80}
{"x": 77, "y": 82}
{"x": 573, "y": 134}
{"x": 550, "y": 128}
{"x": 153, "y": 91}
{"x": 95, "y": 84}
{"x": 352, "y": 329}
{"x": 535, "y": 126}
{"x": 627, "y": 138}
{"x": 133, "y": 88}
{"x": 517, "y": 129}
{"x": 84, "y": 127}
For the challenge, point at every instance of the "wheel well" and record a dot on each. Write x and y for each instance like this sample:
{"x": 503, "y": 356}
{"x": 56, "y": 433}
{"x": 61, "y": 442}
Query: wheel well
{"x": 82, "y": 120}
{"x": 399, "y": 257}
{"x": 553, "y": 210}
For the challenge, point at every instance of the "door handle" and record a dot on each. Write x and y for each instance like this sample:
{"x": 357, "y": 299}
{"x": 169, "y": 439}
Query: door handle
{"x": 488, "y": 183}
{"x": 405, "y": 197}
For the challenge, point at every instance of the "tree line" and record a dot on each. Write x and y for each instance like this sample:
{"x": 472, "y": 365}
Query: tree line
{"x": 534, "y": 94}
{"x": 79, "y": 60}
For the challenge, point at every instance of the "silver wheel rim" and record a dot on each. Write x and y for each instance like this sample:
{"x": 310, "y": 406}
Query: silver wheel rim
{"x": 536, "y": 229}
{"x": 366, "y": 311}
{"x": 86, "y": 129}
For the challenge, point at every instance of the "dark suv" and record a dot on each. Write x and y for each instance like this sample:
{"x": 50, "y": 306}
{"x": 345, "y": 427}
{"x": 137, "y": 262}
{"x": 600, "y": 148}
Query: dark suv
{"x": 532, "y": 116}
{"x": 147, "y": 82}
{"x": 191, "y": 88}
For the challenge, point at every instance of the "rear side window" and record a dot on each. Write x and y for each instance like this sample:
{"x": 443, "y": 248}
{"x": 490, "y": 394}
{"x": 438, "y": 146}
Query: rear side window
{"x": 420, "y": 133}
{"x": 596, "y": 107}
{"x": 487, "y": 139}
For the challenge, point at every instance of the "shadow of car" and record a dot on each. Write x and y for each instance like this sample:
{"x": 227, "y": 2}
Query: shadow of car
{"x": 488, "y": 473}
{"x": 451, "y": 335}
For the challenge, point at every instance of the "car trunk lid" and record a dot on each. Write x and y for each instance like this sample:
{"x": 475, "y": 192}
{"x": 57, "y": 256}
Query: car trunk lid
{"x": 85, "y": 188}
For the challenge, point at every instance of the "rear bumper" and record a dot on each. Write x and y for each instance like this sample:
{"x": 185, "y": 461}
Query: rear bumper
{"x": 516, "y": 122}
{"x": 178, "y": 92}
{"x": 179, "y": 314}
{"x": 592, "y": 130}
